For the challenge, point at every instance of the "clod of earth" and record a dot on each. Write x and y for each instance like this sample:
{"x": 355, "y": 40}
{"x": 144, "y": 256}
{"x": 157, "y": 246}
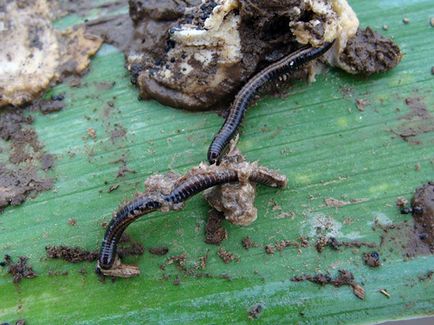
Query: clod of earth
{"x": 344, "y": 278}
{"x": 197, "y": 54}
{"x": 18, "y": 270}
{"x": 372, "y": 259}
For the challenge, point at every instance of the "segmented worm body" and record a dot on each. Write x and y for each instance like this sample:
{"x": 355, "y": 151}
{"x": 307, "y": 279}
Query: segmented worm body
{"x": 236, "y": 114}
{"x": 184, "y": 189}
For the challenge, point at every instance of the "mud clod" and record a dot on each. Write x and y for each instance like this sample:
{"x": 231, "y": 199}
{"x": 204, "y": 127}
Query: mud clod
{"x": 215, "y": 233}
{"x": 248, "y": 243}
{"x": 256, "y": 311}
{"x": 159, "y": 251}
{"x": 19, "y": 270}
{"x": 344, "y": 278}
{"x": 227, "y": 256}
{"x": 372, "y": 259}
{"x": 71, "y": 254}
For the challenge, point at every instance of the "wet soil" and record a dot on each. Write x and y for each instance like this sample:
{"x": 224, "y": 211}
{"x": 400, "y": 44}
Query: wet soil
{"x": 335, "y": 244}
{"x": 344, "y": 278}
{"x": 159, "y": 251}
{"x": 18, "y": 270}
{"x": 21, "y": 176}
{"x": 215, "y": 233}
{"x": 418, "y": 121}
{"x": 368, "y": 52}
{"x": 127, "y": 247}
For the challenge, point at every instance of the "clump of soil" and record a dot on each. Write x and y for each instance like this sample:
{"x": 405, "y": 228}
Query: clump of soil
{"x": 335, "y": 244}
{"x": 256, "y": 311}
{"x": 159, "y": 251}
{"x": 215, "y": 233}
{"x": 344, "y": 278}
{"x": 18, "y": 270}
{"x": 227, "y": 256}
{"x": 248, "y": 243}
{"x": 372, "y": 259}
{"x": 197, "y": 54}
{"x": 71, "y": 254}
{"x": 281, "y": 245}
{"x": 127, "y": 247}
{"x": 20, "y": 177}
{"x": 418, "y": 121}
{"x": 423, "y": 214}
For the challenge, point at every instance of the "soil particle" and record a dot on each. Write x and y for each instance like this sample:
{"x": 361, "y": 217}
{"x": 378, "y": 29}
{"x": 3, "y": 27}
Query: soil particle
{"x": 159, "y": 251}
{"x": 19, "y": 178}
{"x": 418, "y": 121}
{"x": 269, "y": 249}
{"x": 335, "y": 244}
{"x": 406, "y": 20}
{"x": 46, "y": 106}
{"x": 72, "y": 222}
{"x": 401, "y": 202}
{"x": 91, "y": 133}
{"x": 427, "y": 276}
{"x": 18, "y": 270}
{"x": 117, "y": 133}
{"x": 215, "y": 233}
{"x": 47, "y": 162}
{"x": 113, "y": 187}
{"x": 227, "y": 256}
{"x": 372, "y": 259}
{"x": 256, "y": 311}
{"x": 177, "y": 281}
{"x": 344, "y": 278}
{"x": 361, "y": 104}
{"x": 127, "y": 247}
{"x": 248, "y": 243}
{"x": 368, "y": 52}
{"x": 71, "y": 254}
{"x": 123, "y": 167}
{"x": 423, "y": 214}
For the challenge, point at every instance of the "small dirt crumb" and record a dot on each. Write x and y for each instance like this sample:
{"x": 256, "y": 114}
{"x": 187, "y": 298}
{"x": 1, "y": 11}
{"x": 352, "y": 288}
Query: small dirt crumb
{"x": 335, "y": 244}
{"x": 427, "y": 276}
{"x": 330, "y": 202}
{"x": 372, "y": 259}
{"x": 214, "y": 231}
{"x": 91, "y": 133}
{"x": 18, "y": 270}
{"x": 344, "y": 278}
{"x": 269, "y": 249}
{"x": 385, "y": 292}
{"x": 385, "y": 27}
{"x": 47, "y": 162}
{"x": 71, "y": 254}
{"x": 72, "y": 222}
{"x": 361, "y": 104}
{"x": 417, "y": 167}
{"x": 159, "y": 251}
{"x": 406, "y": 20}
{"x": 113, "y": 187}
{"x": 401, "y": 202}
{"x": 227, "y": 256}
{"x": 177, "y": 281}
{"x": 248, "y": 243}
{"x": 256, "y": 311}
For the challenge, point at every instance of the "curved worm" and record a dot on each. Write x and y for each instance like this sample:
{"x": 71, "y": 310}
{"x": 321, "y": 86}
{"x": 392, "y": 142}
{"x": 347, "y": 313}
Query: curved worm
{"x": 184, "y": 189}
{"x": 242, "y": 100}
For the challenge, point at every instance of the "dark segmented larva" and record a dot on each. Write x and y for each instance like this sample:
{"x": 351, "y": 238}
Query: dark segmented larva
{"x": 148, "y": 203}
{"x": 279, "y": 69}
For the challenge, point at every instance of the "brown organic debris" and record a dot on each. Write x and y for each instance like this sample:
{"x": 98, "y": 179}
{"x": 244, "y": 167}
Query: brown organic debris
{"x": 227, "y": 256}
{"x": 372, "y": 259}
{"x": 71, "y": 254}
{"x": 19, "y": 270}
{"x": 335, "y": 244}
{"x": 215, "y": 233}
{"x": 248, "y": 243}
{"x": 344, "y": 278}
{"x": 159, "y": 251}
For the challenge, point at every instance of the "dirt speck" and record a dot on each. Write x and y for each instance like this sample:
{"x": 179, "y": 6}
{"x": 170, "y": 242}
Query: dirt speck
{"x": 19, "y": 270}
{"x": 406, "y": 20}
{"x": 401, "y": 202}
{"x": 344, "y": 278}
{"x": 335, "y": 244}
{"x": 256, "y": 311}
{"x": 20, "y": 177}
{"x": 426, "y": 276}
{"x": 248, "y": 243}
{"x": 71, "y": 254}
{"x": 91, "y": 133}
{"x": 215, "y": 233}
{"x": 159, "y": 251}
{"x": 361, "y": 104}
{"x": 372, "y": 259}
{"x": 227, "y": 256}
{"x": 72, "y": 222}
{"x": 118, "y": 132}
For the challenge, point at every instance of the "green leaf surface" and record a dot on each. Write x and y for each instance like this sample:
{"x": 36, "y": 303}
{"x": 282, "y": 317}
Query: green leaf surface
{"x": 316, "y": 136}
